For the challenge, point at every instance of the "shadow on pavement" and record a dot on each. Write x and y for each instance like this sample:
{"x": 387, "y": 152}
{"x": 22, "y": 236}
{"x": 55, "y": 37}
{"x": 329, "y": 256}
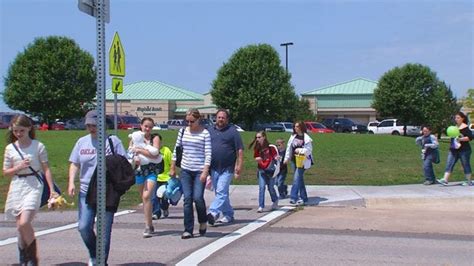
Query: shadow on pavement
{"x": 314, "y": 201}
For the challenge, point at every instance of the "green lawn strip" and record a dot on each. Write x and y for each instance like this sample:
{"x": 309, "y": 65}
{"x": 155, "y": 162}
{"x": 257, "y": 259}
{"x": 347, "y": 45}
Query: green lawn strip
{"x": 340, "y": 159}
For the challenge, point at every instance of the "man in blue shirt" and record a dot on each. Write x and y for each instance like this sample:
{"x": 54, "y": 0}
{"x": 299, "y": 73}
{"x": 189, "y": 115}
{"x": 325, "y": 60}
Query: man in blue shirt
{"x": 227, "y": 160}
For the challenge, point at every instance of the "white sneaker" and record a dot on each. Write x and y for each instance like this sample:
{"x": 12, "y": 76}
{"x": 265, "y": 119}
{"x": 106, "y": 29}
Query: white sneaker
{"x": 225, "y": 220}
{"x": 91, "y": 262}
{"x": 260, "y": 209}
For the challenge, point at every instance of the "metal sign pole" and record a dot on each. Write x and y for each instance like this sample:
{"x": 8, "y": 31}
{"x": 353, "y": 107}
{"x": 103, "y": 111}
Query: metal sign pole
{"x": 101, "y": 170}
{"x": 115, "y": 114}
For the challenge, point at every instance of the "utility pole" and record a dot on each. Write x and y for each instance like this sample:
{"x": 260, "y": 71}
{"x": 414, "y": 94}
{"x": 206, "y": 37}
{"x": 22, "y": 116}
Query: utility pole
{"x": 286, "y": 44}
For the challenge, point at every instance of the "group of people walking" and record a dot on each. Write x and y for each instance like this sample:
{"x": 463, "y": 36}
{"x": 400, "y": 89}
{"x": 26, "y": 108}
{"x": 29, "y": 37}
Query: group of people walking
{"x": 459, "y": 149}
{"x": 200, "y": 153}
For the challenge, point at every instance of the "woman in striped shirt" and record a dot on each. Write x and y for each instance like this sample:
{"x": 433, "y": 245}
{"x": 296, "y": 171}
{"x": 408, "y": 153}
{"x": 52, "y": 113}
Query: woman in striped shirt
{"x": 196, "y": 143}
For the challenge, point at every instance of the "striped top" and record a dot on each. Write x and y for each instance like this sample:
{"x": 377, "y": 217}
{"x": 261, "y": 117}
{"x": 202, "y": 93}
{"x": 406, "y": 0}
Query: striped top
{"x": 196, "y": 149}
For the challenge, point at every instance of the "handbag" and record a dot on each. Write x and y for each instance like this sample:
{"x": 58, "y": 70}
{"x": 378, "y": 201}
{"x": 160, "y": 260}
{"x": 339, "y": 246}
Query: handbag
{"x": 273, "y": 169}
{"x": 179, "y": 148}
{"x": 42, "y": 179}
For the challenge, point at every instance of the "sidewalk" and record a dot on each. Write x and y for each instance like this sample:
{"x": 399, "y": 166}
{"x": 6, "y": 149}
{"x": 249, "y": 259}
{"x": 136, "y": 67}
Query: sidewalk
{"x": 366, "y": 196}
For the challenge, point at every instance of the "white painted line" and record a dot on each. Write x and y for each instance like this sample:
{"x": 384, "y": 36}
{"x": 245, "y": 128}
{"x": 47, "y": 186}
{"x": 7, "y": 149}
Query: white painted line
{"x": 200, "y": 255}
{"x": 13, "y": 240}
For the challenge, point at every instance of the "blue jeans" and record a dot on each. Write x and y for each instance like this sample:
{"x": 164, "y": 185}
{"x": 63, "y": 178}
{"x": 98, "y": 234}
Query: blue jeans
{"x": 159, "y": 203}
{"x": 269, "y": 181}
{"x": 453, "y": 157}
{"x": 428, "y": 168}
{"x": 221, "y": 203}
{"x": 298, "y": 189}
{"x": 280, "y": 183}
{"x": 86, "y": 227}
{"x": 193, "y": 191}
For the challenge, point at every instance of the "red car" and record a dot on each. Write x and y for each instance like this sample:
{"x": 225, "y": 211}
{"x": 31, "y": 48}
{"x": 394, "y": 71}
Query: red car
{"x": 315, "y": 127}
{"x": 58, "y": 126}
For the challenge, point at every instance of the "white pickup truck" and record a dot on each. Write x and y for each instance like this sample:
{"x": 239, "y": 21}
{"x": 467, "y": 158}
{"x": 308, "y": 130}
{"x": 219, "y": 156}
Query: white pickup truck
{"x": 390, "y": 126}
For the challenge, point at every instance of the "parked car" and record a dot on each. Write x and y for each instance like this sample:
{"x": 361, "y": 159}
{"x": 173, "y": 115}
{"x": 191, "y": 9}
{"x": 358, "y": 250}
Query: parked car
{"x": 315, "y": 127}
{"x": 344, "y": 125}
{"x": 392, "y": 126}
{"x": 372, "y": 126}
{"x": 269, "y": 127}
{"x": 238, "y": 128}
{"x": 6, "y": 118}
{"x": 75, "y": 124}
{"x": 175, "y": 124}
{"x": 287, "y": 125}
{"x": 124, "y": 121}
{"x": 206, "y": 122}
{"x": 58, "y": 125}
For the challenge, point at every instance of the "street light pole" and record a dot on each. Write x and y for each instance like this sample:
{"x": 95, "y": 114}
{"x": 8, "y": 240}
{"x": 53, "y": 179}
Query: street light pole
{"x": 286, "y": 44}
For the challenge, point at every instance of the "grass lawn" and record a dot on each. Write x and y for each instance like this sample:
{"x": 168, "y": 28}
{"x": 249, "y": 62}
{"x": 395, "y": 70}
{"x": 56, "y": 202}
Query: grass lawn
{"x": 340, "y": 159}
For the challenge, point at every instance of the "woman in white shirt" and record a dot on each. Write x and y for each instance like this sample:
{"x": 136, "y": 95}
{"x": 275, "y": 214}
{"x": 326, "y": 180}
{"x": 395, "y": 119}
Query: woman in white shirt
{"x": 196, "y": 159}
{"x": 24, "y": 195}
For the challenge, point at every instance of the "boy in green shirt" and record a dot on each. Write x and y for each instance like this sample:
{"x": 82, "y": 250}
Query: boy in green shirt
{"x": 162, "y": 204}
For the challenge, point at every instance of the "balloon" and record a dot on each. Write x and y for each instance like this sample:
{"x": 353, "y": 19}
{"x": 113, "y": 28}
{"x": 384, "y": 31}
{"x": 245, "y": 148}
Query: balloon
{"x": 453, "y": 132}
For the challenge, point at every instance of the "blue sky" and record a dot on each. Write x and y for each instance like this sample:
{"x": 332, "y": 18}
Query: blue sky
{"x": 184, "y": 43}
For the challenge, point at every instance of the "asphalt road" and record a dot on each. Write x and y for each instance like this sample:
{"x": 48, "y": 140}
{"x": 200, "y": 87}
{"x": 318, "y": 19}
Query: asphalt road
{"x": 357, "y": 236}
{"x": 389, "y": 232}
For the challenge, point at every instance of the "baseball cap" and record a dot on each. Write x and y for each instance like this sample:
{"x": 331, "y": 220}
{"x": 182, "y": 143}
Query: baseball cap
{"x": 91, "y": 118}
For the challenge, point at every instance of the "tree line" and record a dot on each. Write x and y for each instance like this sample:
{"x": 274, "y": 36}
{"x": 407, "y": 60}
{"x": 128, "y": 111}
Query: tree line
{"x": 54, "y": 78}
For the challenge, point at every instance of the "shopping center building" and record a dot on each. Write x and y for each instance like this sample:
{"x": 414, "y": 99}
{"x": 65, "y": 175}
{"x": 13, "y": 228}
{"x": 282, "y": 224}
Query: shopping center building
{"x": 163, "y": 102}
{"x": 159, "y": 101}
{"x": 351, "y": 99}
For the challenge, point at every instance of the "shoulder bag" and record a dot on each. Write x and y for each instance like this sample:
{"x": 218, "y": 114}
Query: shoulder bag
{"x": 42, "y": 179}
{"x": 179, "y": 148}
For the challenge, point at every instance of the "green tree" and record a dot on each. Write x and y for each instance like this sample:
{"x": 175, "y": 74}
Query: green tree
{"x": 52, "y": 78}
{"x": 440, "y": 108}
{"x": 300, "y": 112}
{"x": 254, "y": 86}
{"x": 469, "y": 100}
{"x": 469, "y": 103}
{"x": 414, "y": 94}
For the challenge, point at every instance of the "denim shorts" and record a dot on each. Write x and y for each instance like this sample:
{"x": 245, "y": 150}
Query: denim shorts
{"x": 454, "y": 156}
{"x": 140, "y": 180}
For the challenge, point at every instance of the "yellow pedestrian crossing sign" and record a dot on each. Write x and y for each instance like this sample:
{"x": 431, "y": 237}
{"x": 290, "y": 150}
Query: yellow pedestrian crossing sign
{"x": 116, "y": 57}
{"x": 117, "y": 85}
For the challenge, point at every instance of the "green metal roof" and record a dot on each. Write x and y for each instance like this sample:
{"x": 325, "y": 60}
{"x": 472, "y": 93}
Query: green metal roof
{"x": 352, "y": 87}
{"x": 185, "y": 109}
{"x": 344, "y": 101}
{"x": 154, "y": 90}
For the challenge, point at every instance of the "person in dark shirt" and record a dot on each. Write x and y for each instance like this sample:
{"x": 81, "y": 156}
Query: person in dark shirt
{"x": 226, "y": 162}
{"x": 429, "y": 153}
{"x": 462, "y": 152}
